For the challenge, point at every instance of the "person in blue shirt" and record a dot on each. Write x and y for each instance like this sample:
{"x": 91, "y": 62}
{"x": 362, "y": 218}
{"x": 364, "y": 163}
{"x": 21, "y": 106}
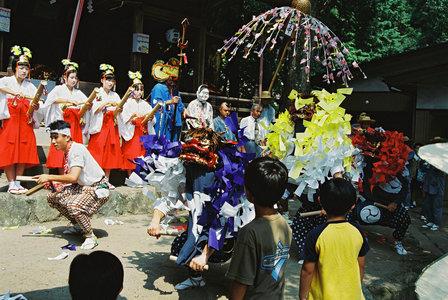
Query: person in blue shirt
{"x": 168, "y": 120}
{"x": 220, "y": 125}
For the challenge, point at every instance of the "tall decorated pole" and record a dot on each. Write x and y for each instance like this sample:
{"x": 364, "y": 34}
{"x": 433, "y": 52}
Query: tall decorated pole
{"x": 308, "y": 40}
{"x": 320, "y": 140}
{"x": 183, "y": 59}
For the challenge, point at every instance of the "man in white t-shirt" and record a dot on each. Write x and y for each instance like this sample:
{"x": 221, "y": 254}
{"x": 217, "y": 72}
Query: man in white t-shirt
{"x": 81, "y": 190}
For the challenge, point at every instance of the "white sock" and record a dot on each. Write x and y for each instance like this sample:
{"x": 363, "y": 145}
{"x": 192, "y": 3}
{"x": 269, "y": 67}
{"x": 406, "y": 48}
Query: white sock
{"x": 12, "y": 184}
{"x": 18, "y": 183}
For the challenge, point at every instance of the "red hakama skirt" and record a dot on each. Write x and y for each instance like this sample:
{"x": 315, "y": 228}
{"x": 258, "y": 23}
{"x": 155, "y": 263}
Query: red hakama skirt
{"x": 17, "y": 139}
{"x": 105, "y": 145}
{"x": 134, "y": 147}
{"x": 56, "y": 157}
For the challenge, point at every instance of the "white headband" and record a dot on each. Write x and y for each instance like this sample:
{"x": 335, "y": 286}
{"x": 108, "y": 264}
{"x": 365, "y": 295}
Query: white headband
{"x": 65, "y": 131}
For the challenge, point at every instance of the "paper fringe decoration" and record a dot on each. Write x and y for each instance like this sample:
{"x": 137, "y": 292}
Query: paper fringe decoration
{"x": 223, "y": 210}
{"x": 309, "y": 38}
{"x": 323, "y": 146}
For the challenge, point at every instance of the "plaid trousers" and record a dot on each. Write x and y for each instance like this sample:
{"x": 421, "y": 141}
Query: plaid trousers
{"x": 77, "y": 203}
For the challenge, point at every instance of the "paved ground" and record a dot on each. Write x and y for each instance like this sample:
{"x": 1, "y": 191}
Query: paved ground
{"x": 24, "y": 267}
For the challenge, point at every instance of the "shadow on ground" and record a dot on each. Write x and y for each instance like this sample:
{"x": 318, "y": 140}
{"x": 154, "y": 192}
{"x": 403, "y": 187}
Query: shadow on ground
{"x": 58, "y": 293}
{"x": 56, "y": 232}
{"x": 163, "y": 275}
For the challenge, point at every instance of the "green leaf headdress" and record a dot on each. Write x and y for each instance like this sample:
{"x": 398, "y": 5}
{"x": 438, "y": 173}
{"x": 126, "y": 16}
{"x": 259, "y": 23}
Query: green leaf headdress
{"x": 69, "y": 65}
{"x": 23, "y": 53}
{"x": 106, "y": 70}
{"x": 136, "y": 77}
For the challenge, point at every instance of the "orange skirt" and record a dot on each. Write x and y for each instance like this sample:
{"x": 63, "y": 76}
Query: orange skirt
{"x": 55, "y": 157}
{"x": 17, "y": 139}
{"x": 133, "y": 148}
{"x": 105, "y": 145}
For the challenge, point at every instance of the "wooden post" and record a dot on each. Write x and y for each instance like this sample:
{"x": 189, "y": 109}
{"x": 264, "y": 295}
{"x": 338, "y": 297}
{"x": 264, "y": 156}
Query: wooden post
{"x": 260, "y": 77}
{"x": 137, "y": 27}
{"x": 2, "y": 4}
{"x": 201, "y": 55}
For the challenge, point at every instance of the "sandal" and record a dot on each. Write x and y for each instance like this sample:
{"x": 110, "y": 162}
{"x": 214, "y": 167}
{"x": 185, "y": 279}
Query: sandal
{"x": 20, "y": 188}
{"x": 189, "y": 283}
{"x": 89, "y": 243}
{"x": 13, "y": 190}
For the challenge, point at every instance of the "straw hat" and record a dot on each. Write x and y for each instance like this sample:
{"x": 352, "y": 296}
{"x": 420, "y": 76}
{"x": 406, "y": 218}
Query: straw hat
{"x": 364, "y": 118}
{"x": 437, "y": 139}
{"x": 265, "y": 97}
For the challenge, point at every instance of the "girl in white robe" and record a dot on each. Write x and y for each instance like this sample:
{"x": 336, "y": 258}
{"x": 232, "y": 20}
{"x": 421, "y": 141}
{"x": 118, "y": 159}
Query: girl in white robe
{"x": 104, "y": 143}
{"x": 64, "y": 103}
{"x": 130, "y": 123}
{"x": 17, "y": 140}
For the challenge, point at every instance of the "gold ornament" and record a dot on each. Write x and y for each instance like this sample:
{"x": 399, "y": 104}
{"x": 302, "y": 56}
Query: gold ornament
{"x": 302, "y": 5}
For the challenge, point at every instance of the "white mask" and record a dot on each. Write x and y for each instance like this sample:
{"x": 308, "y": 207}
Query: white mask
{"x": 203, "y": 95}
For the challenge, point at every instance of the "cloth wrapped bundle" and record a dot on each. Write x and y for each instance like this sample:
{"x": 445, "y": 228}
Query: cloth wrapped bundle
{"x": 324, "y": 146}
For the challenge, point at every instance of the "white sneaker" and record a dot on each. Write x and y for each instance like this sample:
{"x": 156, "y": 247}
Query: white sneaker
{"x": 191, "y": 282}
{"x": 399, "y": 248}
{"x": 75, "y": 229}
{"x": 434, "y": 227}
{"x": 428, "y": 225}
{"x": 90, "y": 243}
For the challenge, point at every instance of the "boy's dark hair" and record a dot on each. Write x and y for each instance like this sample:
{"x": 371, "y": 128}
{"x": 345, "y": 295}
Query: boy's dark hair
{"x": 59, "y": 125}
{"x": 337, "y": 196}
{"x": 98, "y": 275}
{"x": 266, "y": 179}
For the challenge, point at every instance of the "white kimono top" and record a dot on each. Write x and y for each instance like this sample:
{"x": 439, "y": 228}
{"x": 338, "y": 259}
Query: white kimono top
{"x": 26, "y": 88}
{"x": 133, "y": 106}
{"x": 96, "y": 119}
{"x": 53, "y": 111}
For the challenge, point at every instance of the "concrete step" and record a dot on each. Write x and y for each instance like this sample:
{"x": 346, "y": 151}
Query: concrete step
{"x": 18, "y": 210}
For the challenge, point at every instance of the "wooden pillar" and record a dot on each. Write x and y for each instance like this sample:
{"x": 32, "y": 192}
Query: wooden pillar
{"x": 2, "y": 34}
{"x": 201, "y": 54}
{"x": 413, "y": 108}
{"x": 137, "y": 27}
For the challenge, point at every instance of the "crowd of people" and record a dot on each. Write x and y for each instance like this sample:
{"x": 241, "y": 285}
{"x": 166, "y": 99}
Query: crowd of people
{"x": 231, "y": 177}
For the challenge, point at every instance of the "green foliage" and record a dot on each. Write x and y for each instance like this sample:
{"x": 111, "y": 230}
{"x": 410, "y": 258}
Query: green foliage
{"x": 431, "y": 19}
{"x": 373, "y": 29}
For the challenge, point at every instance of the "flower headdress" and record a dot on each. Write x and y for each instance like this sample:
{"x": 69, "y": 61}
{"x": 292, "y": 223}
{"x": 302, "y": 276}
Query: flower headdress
{"x": 69, "y": 65}
{"x": 136, "y": 77}
{"x": 106, "y": 70}
{"x": 23, "y": 53}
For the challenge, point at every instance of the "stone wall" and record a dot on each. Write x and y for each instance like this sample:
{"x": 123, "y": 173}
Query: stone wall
{"x": 22, "y": 210}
